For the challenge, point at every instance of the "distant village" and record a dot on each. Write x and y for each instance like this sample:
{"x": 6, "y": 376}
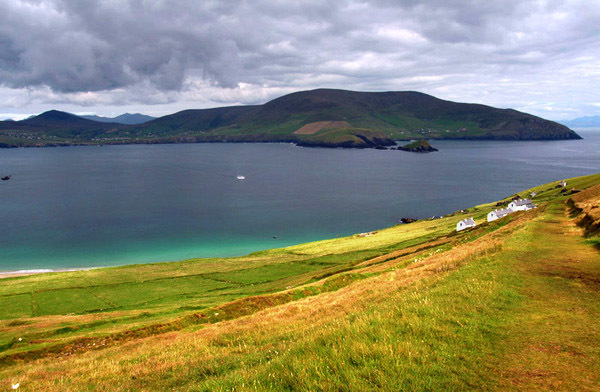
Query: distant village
{"x": 426, "y": 131}
{"x": 513, "y": 206}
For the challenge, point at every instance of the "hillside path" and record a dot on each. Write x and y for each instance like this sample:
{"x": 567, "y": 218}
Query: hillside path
{"x": 554, "y": 341}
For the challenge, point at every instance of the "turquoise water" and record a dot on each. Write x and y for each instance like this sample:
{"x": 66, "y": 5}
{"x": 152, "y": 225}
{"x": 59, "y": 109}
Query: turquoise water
{"x": 81, "y": 207}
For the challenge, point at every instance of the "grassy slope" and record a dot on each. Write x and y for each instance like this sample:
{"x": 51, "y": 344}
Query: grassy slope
{"x": 498, "y": 307}
{"x": 109, "y": 300}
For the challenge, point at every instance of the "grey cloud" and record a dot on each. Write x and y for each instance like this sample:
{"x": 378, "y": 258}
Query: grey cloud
{"x": 164, "y": 48}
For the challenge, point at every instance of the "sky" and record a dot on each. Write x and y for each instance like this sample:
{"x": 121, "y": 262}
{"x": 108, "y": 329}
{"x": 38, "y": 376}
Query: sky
{"x": 109, "y": 57}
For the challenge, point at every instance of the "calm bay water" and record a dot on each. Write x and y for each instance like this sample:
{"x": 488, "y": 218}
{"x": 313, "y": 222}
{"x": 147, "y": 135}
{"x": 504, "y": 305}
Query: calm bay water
{"x": 97, "y": 206}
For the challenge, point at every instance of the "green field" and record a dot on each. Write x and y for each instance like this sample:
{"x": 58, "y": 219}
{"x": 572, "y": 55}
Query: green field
{"x": 509, "y": 305}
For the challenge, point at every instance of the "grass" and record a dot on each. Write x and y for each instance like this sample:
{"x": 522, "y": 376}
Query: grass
{"x": 66, "y": 301}
{"x": 511, "y": 305}
{"x": 552, "y": 342}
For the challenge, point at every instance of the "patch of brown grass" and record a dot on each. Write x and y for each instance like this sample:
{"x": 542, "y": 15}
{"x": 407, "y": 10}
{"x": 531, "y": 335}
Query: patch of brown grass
{"x": 314, "y": 127}
{"x": 588, "y": 203}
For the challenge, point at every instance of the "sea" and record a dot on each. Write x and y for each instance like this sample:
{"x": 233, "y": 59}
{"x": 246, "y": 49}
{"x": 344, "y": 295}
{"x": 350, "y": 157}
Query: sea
{"x": 86, "y": 207}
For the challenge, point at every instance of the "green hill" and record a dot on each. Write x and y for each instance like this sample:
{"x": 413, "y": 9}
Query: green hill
{"x": 323, "y": 117}
{"x": 508, "y": 305}
{"x": 52, "y": 128}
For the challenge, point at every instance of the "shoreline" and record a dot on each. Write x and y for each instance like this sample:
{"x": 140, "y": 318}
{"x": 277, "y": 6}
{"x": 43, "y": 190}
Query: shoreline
{"x": 15, "y": 274}
{"x": 294, "y": 141}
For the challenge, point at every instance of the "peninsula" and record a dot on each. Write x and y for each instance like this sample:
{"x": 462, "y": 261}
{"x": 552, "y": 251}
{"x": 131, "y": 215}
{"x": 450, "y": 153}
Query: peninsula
{"x": 316, "y": 118}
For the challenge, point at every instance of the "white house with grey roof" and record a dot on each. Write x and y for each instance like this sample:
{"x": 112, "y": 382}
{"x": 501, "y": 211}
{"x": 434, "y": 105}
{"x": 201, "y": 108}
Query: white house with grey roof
{"x": 465, "y": 224}
{"x": 497, "y": 214}
{"x": 521, "y": 205}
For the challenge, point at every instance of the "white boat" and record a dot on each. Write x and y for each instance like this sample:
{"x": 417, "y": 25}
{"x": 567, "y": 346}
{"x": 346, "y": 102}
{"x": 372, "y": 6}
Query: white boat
{"x": 241, "y": 177}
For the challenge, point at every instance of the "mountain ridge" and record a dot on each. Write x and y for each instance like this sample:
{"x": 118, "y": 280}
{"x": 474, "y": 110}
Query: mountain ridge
{"x": 369, "y": 119}
{"x": 125, "y": 118}
{"x": 583, "y": 122}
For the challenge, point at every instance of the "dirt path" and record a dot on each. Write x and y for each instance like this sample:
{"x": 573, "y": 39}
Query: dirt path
{"x": 554, "y": 341}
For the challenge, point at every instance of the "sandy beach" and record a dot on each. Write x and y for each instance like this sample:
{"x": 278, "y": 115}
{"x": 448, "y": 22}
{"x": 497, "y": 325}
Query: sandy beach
{"x": 14, "y": 274}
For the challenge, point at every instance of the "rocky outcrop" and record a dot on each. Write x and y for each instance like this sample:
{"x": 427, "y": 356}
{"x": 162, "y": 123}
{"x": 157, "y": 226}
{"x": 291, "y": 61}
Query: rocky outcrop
{"x": 407, "y": 220}
{"x": 418, "y": 146}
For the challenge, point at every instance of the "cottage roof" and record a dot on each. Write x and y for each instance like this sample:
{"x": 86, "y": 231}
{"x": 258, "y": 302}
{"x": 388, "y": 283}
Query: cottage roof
{"x": 468, "y": 221}
{"x": 502, "y": 211}
{"x": 522, "y": 202}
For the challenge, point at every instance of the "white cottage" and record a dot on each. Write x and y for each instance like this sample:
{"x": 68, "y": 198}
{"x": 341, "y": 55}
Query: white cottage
{"x": 521, "y": 205}
{"x": 497, "y": 214}
{"x": 465, "y": 224}
{"x": 562, "y": 184}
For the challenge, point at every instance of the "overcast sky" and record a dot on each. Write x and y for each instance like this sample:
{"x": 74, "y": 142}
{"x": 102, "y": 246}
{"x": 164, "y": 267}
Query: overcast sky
{"x": 158, "y": 57}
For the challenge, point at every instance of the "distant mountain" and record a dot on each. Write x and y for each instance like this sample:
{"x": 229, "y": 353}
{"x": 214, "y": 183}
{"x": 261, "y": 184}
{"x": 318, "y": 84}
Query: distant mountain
{"x": 339, "y": 114}
{"x": 323, "y": 117}
{"x": 54, "y": 120}
{"x": 583, "y": 122}
{"x": 127, "y": 118}
{"x": 52, "y": 128}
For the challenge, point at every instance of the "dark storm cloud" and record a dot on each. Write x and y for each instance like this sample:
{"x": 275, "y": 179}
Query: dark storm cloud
{"x": 90, "y": 46}
{"x": 185, "y": 46}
